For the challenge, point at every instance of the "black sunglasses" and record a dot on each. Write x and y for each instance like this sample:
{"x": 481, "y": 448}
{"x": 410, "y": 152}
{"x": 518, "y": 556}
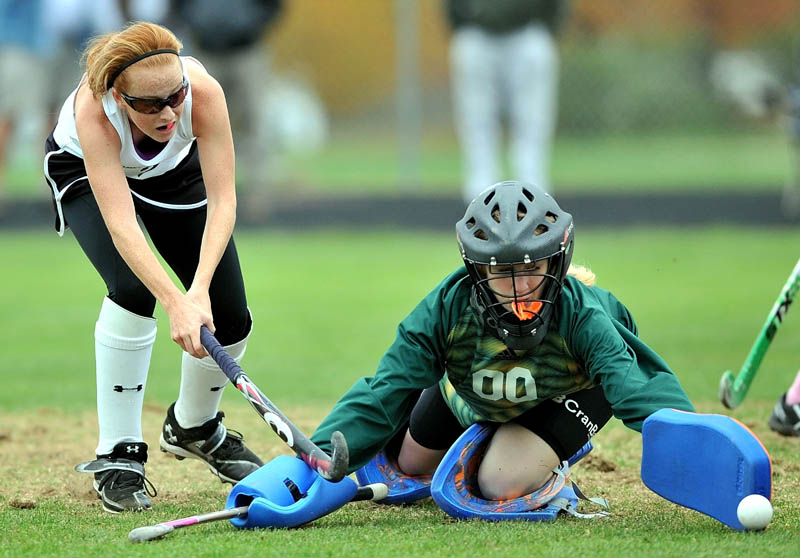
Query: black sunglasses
{"x": 154, "y": 106}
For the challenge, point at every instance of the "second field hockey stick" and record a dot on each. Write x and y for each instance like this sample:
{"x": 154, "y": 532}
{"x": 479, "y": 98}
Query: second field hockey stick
{"x": 377, "y": 491}
{"x": 333, "y": 467}
{"x": 733, "y": 390}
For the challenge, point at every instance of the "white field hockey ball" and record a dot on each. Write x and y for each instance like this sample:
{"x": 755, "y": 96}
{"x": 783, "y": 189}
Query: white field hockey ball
{"x": 754, "y": 512}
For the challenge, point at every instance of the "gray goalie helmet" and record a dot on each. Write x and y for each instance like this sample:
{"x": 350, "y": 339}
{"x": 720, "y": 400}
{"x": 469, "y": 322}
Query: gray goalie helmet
{"x": 517, "y": 232}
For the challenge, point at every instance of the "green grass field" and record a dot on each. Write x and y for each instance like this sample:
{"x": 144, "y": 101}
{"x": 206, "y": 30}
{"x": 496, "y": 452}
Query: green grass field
{"x": 325, "y": 305}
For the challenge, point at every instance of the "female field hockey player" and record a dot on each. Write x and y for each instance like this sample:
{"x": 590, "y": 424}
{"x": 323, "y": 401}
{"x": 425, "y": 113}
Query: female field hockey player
{"x": 516, "y": 337}
{"x": 146, "y": 134}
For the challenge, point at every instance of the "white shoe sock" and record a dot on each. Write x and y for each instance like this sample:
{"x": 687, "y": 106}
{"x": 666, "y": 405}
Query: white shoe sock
{"x": 123, "y": 345}
{"x": 202, "y": 384}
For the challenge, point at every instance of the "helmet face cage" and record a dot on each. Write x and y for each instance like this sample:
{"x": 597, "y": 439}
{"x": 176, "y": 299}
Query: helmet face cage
{"x": 517, "y": 245}
{"x": 517, "y": 314}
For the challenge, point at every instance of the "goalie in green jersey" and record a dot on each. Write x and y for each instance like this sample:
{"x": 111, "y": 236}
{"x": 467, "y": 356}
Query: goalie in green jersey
{"x": 517, "y": 338}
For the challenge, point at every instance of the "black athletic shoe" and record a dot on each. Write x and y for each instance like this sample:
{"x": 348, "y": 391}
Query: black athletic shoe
{"x": 119, "y": 478}
{"x": 221, "y": 449}
{"x": 785, "y": 419}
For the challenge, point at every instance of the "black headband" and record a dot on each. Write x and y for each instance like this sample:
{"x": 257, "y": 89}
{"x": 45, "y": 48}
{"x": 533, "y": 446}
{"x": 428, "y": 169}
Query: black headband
{"x": 132, "y": 61}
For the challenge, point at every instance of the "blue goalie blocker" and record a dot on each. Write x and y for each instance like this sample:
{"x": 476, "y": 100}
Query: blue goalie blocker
{"x": 287, "y": 493}
{"x": 403, "y": 489}
{"x": 706, "y": 462}
{"x": 454, "y": 486}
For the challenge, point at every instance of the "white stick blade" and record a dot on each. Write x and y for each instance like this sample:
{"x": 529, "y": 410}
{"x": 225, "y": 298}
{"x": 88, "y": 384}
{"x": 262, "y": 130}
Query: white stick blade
{"x": 142, "y": 534}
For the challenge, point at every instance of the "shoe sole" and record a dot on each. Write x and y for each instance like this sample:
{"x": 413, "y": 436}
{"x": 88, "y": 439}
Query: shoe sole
{"x": 781, "y": 428}
{"x": 181, "y": 454}
{"x": 116, "y": 511}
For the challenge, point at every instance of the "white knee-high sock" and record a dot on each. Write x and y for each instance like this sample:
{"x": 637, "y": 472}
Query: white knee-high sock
{"x": 202, "y": 384}
{"x": 123, "y": 345}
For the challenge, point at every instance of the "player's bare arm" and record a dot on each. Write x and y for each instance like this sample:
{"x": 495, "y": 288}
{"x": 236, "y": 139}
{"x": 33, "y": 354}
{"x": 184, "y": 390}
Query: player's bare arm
{"x": 211, "y": 126}
{"x": 101, "y": 148}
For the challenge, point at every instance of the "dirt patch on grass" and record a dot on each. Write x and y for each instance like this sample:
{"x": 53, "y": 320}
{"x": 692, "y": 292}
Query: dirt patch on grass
{"x": 597, "y": 463}
{"x": 22, "y": 504}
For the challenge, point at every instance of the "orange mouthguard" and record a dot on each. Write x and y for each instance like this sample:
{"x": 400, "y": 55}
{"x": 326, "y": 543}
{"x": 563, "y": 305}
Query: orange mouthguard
{"x": 526, "y": 310}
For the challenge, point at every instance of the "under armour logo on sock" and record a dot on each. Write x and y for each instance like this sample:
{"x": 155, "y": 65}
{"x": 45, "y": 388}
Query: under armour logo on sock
{"x": 132, "y": 449}
{"x": 171, "y": 438}
{"x": 120, "y": 389}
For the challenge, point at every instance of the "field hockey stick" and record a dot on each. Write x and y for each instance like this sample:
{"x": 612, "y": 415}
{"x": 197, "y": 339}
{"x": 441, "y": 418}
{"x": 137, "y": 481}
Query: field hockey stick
{"x": 732, "y": 391}
{"x": 376, "y": 491}
{"x": 332, "y": 468}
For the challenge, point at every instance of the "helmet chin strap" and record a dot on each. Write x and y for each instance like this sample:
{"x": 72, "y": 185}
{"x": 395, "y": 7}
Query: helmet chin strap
{"x": 522, "y": 343}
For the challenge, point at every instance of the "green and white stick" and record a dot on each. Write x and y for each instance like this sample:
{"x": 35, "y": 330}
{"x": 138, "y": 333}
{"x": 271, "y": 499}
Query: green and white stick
{"x": 732, "y": 391}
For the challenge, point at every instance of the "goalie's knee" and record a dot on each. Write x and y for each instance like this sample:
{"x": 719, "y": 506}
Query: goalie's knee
{"x": 517, "y": 462}
{"x": 495, "y": 486}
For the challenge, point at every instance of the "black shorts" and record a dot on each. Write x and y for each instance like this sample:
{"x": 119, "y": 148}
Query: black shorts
{"x": 566, "y": 423}
{"x": 180, "y": 189}
{"x": 175, "y": 229}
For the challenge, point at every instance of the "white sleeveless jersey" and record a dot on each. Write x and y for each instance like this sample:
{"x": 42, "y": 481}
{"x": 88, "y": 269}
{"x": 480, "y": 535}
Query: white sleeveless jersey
{"x": 177, "y": 148}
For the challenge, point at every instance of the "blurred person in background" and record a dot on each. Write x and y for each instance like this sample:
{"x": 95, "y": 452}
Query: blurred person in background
{"x": 230, "y": 38}
{"x": 25, "y": 47}
{"x": 39, "y": 43}
{"x": 72, "y": 23}
{"x": 146, "y": 136}
{"x": 504, "y": 62}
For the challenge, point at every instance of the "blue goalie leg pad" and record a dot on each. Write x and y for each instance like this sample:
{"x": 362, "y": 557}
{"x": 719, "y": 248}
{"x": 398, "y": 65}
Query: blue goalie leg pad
{"x": 454, "y": 486}
{"x": 287, "y": 493}
{"x": 706, "y": 462}
{"x": 403, "y": 489}
{"x": 581, "y": 453}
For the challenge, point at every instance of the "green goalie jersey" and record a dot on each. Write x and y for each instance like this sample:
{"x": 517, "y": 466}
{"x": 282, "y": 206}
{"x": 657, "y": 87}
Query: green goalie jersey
{"x": 592, "y": 340}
